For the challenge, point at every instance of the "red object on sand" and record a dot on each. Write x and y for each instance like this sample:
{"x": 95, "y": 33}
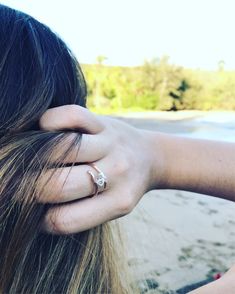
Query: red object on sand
{"x": 217, "y": 276}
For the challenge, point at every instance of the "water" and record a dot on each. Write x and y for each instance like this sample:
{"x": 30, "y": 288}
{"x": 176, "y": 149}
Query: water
{"x": 204, "y": 125}
{"x": 214, "y": 126}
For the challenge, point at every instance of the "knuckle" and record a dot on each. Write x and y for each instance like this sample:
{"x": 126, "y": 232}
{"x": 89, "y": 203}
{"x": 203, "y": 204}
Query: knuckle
{"x": 126, "y": 205}
{"x": 74, "y": 115}
{"x": 73, "y": 108}
{"x": 43, "y": 121}
{"x": 122, "y": 166}
{"x": 57, "y": 225}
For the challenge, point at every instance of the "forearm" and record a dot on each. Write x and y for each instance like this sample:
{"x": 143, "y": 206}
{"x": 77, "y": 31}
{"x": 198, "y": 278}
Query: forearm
{"x": 201, "y": 166}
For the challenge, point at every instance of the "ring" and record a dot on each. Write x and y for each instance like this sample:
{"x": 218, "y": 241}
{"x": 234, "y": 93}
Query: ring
{"x": 100, "y": 180}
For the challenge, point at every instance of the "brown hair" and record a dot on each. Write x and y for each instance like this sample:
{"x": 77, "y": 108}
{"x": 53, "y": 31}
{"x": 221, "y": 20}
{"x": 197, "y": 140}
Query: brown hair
{"x": 37, "y": 72}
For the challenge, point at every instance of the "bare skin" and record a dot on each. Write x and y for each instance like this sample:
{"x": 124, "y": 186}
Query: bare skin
{"x": 134, "y": 161}
{"x": 110, "y": 144}
{"x": 225, "y": 285}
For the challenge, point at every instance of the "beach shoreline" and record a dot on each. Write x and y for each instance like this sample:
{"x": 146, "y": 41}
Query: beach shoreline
{"x": 177, "y": 237}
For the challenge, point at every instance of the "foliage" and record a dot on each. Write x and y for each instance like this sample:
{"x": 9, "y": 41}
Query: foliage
{"x": 158, "y": 85}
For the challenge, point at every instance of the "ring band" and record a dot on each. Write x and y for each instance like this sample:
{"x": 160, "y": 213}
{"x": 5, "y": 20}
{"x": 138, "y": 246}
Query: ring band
{"x": 100, "y": 180}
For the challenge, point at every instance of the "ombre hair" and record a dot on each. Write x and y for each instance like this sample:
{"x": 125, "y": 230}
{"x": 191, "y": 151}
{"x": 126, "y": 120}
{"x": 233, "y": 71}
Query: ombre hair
{"x": 37, "y": 72}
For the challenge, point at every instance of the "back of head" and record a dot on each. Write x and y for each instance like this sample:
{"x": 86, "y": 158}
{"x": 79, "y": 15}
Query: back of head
{"x": 37, "y": 72}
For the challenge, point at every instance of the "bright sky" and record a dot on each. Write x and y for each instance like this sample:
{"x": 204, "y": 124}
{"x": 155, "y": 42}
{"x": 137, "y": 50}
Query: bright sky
{"x": 194, "y": 33}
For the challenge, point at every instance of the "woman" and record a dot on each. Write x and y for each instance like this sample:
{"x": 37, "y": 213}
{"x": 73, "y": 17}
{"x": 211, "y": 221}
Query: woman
{"x": 39, "y": 171}
{"x": 38, "y": 72}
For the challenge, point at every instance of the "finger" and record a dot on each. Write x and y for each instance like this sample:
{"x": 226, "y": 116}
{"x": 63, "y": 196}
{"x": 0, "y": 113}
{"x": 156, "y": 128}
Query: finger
{"x": 88, "y": 148}
{"x": 71, "y": 117}
{"x": 67, "y": 184}
{"x": 92, "y": 148}
{"x": 82, "y": 215}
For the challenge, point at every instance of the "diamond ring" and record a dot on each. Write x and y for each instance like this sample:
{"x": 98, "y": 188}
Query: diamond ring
{"x": 99, "y": 180}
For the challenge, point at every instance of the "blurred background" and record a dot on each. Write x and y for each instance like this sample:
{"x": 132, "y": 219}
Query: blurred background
{"x": 166, "y": 65}
{"x": 142, "y": 55}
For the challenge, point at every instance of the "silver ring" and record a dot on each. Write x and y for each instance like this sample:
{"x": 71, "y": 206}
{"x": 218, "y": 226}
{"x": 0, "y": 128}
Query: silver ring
{"x": 100, "y": 180}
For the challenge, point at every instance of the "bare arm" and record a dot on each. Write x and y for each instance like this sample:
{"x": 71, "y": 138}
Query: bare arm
{"x": 201, "y": 166}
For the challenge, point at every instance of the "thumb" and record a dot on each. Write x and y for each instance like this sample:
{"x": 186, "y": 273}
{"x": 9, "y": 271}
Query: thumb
{"x": 71, "y": 117}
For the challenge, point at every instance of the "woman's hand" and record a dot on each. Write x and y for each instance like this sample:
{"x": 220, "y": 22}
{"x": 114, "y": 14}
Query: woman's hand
{"x": 126, "y": 155}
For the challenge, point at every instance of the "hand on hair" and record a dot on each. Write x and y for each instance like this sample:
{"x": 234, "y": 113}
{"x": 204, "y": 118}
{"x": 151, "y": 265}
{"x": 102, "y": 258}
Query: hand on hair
{"x": 123, "y": 153}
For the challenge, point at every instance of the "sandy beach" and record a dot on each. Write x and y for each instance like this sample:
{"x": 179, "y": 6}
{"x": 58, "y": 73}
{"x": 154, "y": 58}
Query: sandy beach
{"x": 175, "y": 237}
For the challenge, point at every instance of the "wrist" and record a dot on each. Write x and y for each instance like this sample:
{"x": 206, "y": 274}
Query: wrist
{"x": 158, "y": 161}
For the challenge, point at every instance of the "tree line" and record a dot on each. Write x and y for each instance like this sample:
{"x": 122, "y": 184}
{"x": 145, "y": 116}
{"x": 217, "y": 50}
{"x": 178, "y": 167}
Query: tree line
{"x": 158, "y": 85}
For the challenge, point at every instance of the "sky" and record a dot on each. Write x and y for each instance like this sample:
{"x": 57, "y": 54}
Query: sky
{"x": 193, "y": 33}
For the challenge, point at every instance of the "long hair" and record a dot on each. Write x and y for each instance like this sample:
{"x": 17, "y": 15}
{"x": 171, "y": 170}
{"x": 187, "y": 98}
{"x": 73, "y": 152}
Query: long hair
{"x": 37, "y": 72}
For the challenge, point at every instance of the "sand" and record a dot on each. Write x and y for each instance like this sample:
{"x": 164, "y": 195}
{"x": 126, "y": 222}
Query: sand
{"x": 177, "y": 237}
